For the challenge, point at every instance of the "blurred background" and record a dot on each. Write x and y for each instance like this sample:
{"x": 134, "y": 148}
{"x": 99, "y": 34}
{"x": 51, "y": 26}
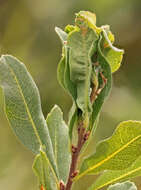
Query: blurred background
{"x": 27, "y": 32}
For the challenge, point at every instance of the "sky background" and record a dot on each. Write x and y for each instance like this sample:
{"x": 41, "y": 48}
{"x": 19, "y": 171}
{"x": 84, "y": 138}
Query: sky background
{"x": 27, "y": 32}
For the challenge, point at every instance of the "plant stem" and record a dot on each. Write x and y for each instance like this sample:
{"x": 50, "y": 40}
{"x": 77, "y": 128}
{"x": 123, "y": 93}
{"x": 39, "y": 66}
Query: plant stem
{"x": 75, "y": 155}
{"x": 82, "y": 137}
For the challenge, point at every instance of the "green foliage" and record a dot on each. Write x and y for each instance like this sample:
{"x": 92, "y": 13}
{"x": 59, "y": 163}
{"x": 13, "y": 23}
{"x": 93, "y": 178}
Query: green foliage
{"x": 85, "y": 72}
{"x": 110, "y": 177}
{"x": 60, "y": 141}
{"x": 58, "y": 131}
{"x": 89, "y": 51}
{"x": 123, "y": 186}
{"x": 23, "y": 107}
{"x": 116, "y": 152}
{"x": 81, "y": 47}
{"x": 47, "y": 177}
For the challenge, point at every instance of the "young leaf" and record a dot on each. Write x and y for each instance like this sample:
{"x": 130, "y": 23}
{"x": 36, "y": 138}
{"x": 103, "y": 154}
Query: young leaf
{"x": 106, "y": 70}
{"x": 90, "y": 18}
{"x": 70, "y": 86}
{"x": 61, "y": 71}
{"x": 123, "y": 186}
{"x": 47, "y": 177}
{"x": 80, "y": 43}
{"x": 113, "y": 55}
{"x": 72, "y": 119}
{"x": 117, "y": 152}
{"x": 23, "y": 107}
{"x": 111, "y": 177}
{"x": 62, "y": 35}
{"x": 60, "y": 140}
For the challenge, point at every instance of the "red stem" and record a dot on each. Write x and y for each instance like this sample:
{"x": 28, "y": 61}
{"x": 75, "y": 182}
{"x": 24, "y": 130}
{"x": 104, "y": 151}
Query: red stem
{"x": 75, "y": 156}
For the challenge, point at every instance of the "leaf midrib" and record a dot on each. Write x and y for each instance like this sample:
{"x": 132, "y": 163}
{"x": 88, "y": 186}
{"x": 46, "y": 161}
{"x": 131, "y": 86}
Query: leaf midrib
{"x": 108, "y": 158}
{"x": 30, "y": 117}
{"x": 56, "y": 179}
{"x": 26, "y": 106}
{"x": 118, "y": 178}
{"x": 87, "y": 76}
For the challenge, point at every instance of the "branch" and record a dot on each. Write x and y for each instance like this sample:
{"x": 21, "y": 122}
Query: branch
{"x": 82, "y": 137}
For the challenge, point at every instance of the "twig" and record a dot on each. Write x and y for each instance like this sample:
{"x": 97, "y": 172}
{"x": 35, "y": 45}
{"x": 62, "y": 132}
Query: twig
{"x": 82, "y": 137}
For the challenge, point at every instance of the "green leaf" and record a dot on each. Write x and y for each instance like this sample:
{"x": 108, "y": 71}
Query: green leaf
{"x": 123, "y": 186}
{"x": 61, "y": 71}
{"x": 72, "y": 119}
{"x": 69, "y": 85}
{"x": 69, "y": 28}
{"x": 62, "y": 35}
{"x": 111, "y": 177}
{"x": 63, "y": 74}
{"x": 90, "y": 18}
{"x": 115, "y": 153}
{"x": 106, "y": 70}
{"x": 47, "y": 177}
{"x": 23, "y": 106}
{"x": 81, "y": 43}
{"x": 113, "y": 55}
{"x": 60, "y": 140}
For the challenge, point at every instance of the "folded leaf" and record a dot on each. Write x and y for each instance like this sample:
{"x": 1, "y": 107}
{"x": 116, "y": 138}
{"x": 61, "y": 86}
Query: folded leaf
{"x": 106, "y": 70}
{"x": 63, "y": 71}
{"x": 69, "y": 85}
{"x": 90, "y": 18}
{"x": 72, "y": 119}
{"x": 81, "y": 43}
{"x": 111, "y": 177}
{"x": 113, "y": 55}
{"x": 23, "y": 107}
{"x": 47, "y": 177}
{"x": 116, "y": 152}
{"x": 60, "y": 140}
{"x": 123, "y": 186}
{"x": 69, "y": 28}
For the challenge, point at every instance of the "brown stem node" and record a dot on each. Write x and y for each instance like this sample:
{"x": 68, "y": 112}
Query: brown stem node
{"x": 74, "y": 174}
{"x": 86, "y": 136}
{"x": 73, "y": 149}
{"x": 62, "y": 185}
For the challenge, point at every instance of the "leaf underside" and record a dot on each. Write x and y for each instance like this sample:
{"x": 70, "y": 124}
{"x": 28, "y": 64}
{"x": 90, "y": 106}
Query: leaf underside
{"x": 123, "y": 186}
{"x": 59, "y": 134}
{"x": 44, "y": 172}
{"x": 23, "y": 106}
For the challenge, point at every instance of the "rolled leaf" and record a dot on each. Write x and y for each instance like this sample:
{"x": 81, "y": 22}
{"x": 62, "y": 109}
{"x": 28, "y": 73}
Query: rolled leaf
{"x": 115, "y": 153}
{"x": 70, "y": 86}
{"x": 73, "y": 117}
{"x": 84, "y": 47}
{"x": 113, "y": 55}
{"x": 63, "y": 71}
{"x": 81, "y": 43}
{"x": 90, "y": 19}
{"x": 60, "y": 71}
{"x": 106, "y": 70}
